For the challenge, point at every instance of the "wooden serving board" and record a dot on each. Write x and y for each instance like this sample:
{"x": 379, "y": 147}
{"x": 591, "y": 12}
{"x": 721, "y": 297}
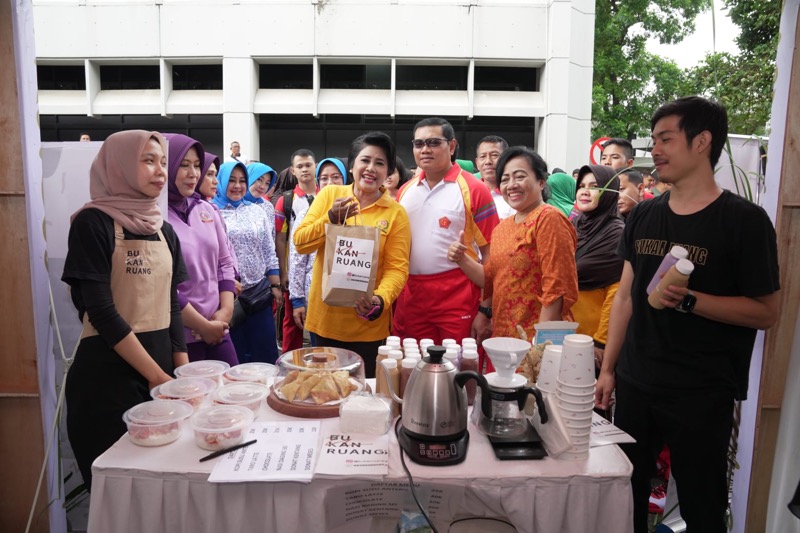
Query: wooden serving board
{"x": 304, "y": 410}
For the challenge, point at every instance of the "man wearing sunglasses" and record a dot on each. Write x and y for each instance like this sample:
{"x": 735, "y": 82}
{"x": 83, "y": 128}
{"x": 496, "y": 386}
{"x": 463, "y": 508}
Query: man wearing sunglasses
{"x": 439, "y": 301}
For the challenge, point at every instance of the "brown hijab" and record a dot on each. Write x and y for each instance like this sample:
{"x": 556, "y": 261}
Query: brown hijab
{"x": 599, "y": 232}
{"x": 113, "y": 182}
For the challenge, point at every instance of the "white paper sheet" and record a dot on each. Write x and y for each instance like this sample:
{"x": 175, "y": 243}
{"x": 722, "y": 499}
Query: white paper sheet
{"x": 285, "y": 451}
{"x": 604, "y": 433}
{"x": 354, "y": 454}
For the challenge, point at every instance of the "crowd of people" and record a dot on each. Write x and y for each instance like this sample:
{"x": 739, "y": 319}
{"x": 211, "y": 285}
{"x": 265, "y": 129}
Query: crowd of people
{"x": 234, "y": 271}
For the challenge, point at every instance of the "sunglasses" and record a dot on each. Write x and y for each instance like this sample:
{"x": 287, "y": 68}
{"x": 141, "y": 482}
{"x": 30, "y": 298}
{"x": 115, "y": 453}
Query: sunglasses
{"x": 433, "y": 142}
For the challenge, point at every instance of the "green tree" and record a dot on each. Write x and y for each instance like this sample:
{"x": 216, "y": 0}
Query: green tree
{"x": 743, "y": 83}
{"x": 629, "y": 82}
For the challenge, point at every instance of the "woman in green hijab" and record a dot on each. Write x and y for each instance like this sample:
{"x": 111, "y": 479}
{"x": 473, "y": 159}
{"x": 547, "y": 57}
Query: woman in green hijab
{"x": 562, "y": 192}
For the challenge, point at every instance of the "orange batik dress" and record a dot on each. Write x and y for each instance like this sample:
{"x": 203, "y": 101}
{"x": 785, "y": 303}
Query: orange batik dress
{"x": 531, "y": 265}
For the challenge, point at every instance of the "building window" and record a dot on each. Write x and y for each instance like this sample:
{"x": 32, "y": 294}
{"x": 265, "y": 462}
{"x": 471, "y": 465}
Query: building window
{"x": 506, "y": 79}
{"x": 431, "y": 78}
{"x": 61, "y": 77}
{"x": 129, "y": 77}
{"x": 197, "y": 77}
{"x": 355, "y": 76}
{"x": 281, "y": 76}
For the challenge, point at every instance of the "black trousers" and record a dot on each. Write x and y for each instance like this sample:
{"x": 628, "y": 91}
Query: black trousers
{"x": 697, "y": 428}
{"x": 367, "y": 350}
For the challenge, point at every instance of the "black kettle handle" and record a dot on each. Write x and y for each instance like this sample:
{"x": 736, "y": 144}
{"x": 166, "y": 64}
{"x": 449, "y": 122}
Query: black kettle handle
{"x": 539, "y": 402}
{"x": 486, "y": 400}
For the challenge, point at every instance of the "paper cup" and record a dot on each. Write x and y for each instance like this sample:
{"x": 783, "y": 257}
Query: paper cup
{"x": 548, "y": 372}
{"x": 577, "y": 390}
{"x": 577, "y": 360}
{"x": 574, "y": 456}
{"x": 578, "y": 404}
{"x": 578, "y": 424}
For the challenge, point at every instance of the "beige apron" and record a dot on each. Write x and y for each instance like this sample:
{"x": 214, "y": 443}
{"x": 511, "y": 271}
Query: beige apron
{"x": 141, "y": 279}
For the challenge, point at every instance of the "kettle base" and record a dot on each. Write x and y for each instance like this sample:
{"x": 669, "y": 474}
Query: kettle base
{"x": 434, "y": 453}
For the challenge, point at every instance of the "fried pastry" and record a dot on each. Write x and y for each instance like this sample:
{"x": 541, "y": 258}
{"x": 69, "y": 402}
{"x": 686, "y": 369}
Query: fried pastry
{"x": 325, "y": 390}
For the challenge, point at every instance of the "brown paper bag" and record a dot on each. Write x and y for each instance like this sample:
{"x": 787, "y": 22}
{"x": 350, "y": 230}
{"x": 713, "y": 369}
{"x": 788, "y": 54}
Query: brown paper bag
{"x": 351, "y": 264}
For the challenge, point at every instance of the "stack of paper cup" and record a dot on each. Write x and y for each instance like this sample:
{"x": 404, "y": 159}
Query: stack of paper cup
{"x": 548, "y": 371}
{"x": 575, "y": 392}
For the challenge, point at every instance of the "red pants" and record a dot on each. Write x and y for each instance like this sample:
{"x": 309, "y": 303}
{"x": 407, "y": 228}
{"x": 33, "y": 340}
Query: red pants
{"x": 292, "y": 335}
{"x": 437, "y": 306}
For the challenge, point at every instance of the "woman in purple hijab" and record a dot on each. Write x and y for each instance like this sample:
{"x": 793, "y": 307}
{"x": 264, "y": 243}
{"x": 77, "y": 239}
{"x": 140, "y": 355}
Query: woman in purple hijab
{"x": 206, "y": 298}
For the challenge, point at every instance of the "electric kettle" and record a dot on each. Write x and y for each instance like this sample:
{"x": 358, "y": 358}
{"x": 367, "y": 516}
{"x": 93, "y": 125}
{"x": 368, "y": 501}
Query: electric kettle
{"x": 434, "y": 422}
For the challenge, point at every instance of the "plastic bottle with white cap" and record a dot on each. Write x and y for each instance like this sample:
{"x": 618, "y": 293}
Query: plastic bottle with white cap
{"x": 675, "y": 254}
{"x": 677, "y": 275}
{"x": 469, "y": 361}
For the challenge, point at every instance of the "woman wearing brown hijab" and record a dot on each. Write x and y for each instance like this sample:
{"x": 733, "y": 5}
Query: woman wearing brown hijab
{"x": 123, "y": 266}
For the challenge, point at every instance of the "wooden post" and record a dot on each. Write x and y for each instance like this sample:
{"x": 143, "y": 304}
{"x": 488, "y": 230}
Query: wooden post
{"x": 21, "y": 436}
{"x": 779, "y": 339}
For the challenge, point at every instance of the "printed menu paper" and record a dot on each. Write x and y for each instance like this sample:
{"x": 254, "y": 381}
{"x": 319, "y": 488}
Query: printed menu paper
{"x": 285, "y": 451}
{"x": 354, "y": 455}
{"x": 604, "y": 432}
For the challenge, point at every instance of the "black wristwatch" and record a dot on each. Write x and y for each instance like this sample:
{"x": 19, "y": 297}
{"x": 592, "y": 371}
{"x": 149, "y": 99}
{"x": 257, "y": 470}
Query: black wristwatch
{"x": 687, "y": 304}
{"x": 486, "y": 311}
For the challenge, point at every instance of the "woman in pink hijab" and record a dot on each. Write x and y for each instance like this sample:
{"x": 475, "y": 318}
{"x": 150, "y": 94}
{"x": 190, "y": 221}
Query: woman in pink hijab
{"x": 123, "y": 266}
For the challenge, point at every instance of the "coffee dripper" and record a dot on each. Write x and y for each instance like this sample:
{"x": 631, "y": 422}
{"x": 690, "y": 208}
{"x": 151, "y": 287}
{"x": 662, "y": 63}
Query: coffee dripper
{"x": 507, "y": 390}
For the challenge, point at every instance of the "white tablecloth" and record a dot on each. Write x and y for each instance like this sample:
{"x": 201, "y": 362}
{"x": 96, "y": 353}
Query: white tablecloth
{"x": 165, "y": 489}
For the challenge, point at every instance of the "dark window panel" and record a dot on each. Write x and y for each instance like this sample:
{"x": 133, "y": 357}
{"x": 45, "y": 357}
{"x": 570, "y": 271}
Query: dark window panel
{"x": 431, "y": 78}
{"x": 61, "y": 77}
{"x": 286, "y": 76}
{"x": 197, "y": 77}
{"x": 506, "y": 79}
{"x": 355, "y": 76}
{"x": 129, "y": 77}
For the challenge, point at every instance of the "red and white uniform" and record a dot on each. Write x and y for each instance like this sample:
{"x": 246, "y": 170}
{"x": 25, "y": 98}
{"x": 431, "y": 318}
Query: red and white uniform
{"x": 439, "y": 301}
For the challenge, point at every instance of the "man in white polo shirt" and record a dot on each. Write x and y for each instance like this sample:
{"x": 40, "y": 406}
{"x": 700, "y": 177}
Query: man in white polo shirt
{"x": 489, "y": 150}
{"x": 439, "y": 301}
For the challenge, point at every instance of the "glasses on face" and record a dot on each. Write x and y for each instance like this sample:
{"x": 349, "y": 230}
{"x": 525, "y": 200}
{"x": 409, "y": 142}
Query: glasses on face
{"x": 433, "y": 142}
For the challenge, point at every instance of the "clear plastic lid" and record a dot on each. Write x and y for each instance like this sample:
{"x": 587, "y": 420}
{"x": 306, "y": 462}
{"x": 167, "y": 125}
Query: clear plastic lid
{"x": 185, "y": 387}
{"x": 210, "y": 369}
{"x": 241, "y": 393}
{"x": 157, "y": 412}
{"x": 222, "y": 418}
{"x": 258, "y": 372}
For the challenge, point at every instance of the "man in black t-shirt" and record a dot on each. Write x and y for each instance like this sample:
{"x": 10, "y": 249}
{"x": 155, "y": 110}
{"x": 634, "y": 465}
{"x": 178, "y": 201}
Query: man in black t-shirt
{"x": 677, "y": 371}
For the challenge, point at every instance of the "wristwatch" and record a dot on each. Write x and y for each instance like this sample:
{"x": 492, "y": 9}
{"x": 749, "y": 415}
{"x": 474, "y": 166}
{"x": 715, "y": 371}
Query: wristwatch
{"x": 687, "y": 304}
{"x": 485, "y": 310}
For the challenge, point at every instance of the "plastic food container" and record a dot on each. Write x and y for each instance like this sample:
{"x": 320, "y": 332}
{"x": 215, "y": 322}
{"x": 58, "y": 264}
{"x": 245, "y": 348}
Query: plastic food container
{"x": 221, "y": 426}
{"x": 255, "y": 372}
{"x": 157, "y": 422}
{"x": 203, "y": 369}
{"x": 243, "y": 393}
{"x": 191, "y": 390}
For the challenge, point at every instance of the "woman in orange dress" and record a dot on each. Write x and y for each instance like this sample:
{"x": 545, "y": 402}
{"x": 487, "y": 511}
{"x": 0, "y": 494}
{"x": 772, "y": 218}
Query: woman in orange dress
{"x": 530, "y": 276}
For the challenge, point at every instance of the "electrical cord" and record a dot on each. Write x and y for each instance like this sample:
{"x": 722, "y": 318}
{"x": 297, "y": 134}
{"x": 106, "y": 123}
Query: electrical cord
{"x": 57, "y": 414}
{"x": 410, "y": 479}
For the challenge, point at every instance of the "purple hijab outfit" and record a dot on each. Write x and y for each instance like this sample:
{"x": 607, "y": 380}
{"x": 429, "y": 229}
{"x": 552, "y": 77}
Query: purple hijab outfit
{"x": 205, "y": 252}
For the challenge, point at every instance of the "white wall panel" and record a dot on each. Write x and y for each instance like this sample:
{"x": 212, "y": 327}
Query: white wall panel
{"x": 431, "y": 103}
{"x": 579, "y": 93}
{"x": 582, "y": 38}
{"x": 356, "y": 102}
{"x": 509, "y": 104}
{"x": 510, "y": 32}
{"x": 136, "y": 102}
{"x": 394, "y": 30}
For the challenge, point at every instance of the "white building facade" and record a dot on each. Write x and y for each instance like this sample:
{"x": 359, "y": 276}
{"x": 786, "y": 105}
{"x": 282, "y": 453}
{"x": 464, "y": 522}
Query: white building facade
{"x": 277, "y": 75}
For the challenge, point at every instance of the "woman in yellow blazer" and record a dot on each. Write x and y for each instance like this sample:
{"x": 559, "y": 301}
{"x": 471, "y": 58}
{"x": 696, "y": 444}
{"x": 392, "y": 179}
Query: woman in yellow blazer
{"x": 371, "y": 160}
